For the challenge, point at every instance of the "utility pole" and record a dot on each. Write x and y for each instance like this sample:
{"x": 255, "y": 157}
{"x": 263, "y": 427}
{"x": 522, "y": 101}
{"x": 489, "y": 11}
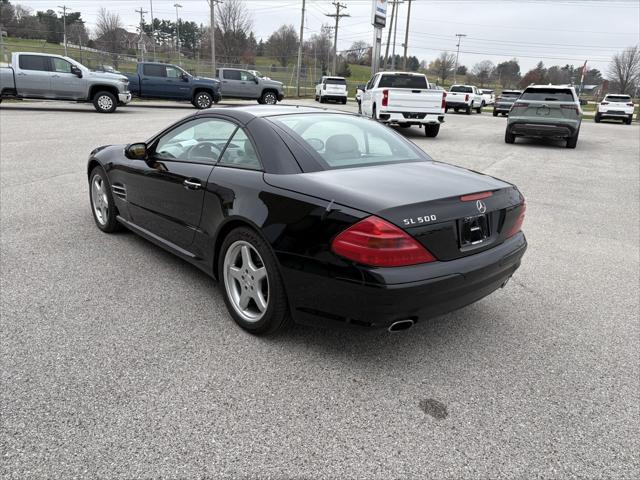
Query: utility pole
{"x": 337, "y": 16}
{"x": 395, "y": 33}
{"x": 64, "y": 24}
{"x": 386, "y": 51}
{"x": 455, "y": 69}
{"x": 300, "y": 49}
{"x": 212, "y": 4}
{"x": 406, "y": 38}
{"x": 153, "y": 32}
{"x": 177, "y": 5}
{"x": 140, "y": 39}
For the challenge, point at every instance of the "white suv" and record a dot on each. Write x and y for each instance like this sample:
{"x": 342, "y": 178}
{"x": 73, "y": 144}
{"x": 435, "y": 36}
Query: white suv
{"x": 619, "y": 107}
{"x": 332, "y": 88}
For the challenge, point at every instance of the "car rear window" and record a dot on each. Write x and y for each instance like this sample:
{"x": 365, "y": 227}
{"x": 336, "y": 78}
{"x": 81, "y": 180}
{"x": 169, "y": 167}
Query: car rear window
{"x": 548, "y": 94}
{"x": 403, "y": 81}
{"x": 460, "y": 89}
{"x": 342, "y": 141}
{"x": 510, "y": 94}
{"x": 33, "y": 62}
{"x": 335, "y": 81}
{"x": 618, "y": 98}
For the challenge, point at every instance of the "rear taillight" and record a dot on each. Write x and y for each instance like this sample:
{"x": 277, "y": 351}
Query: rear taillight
{"x": 444, "y": 100}
{"x": 571, "y": 107}
{"x": 466, "y": 98}
{"x": 376, "y": 242}
{"x": 630, "y": 104}
{"x": 517, "y": 225}
{"x": 385, "y": 98}
{"x": 475, "y": 196}
{"x": 498, "y": 99}
{"x": 520, "y": 105}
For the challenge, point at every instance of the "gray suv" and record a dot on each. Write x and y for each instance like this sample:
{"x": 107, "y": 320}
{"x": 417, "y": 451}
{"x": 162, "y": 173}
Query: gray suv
{"x": 237, "y": 83}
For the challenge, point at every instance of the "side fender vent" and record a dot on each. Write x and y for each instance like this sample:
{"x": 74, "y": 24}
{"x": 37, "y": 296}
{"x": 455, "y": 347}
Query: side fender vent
{"x": 119, "y": 191}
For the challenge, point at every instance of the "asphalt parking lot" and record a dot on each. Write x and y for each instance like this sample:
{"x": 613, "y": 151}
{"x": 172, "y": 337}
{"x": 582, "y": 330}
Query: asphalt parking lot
{"x": 119, "y": 360}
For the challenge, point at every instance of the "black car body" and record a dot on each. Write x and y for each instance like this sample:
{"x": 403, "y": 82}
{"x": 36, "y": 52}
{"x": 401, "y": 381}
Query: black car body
{"x": 464, "y": 226}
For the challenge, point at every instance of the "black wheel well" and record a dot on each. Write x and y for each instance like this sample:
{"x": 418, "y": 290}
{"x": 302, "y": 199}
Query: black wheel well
{"x": 197, "y": 90}
{"x": 268, "y": 89}
{"x": 225, "y": 230}
{"x": 99, "y": 88}
{"x": 92, "y": 164}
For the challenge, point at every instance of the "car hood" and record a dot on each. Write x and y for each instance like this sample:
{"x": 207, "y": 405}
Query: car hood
{"x": 272, "y": 83}
{"x": 389, "y": 190}
{"x": 206, "y": 79}
{"x": 114, "y": 77}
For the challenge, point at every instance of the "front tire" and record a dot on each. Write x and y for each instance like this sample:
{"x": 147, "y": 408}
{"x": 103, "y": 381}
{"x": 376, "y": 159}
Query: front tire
{"x": 431, "y": 130}
{"x": 202, "y": 100}
{"x": 105, "y": 102}
{"x": 101, "y": 200}
{"x": 269, "y": 98}
{"x": 251, "y": 283}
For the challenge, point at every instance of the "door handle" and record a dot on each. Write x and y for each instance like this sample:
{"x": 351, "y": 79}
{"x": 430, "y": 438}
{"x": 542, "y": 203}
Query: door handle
{"x": 21, "y": 74}
{"x": 191, "y": 184}
{"x": 55, "y": 76}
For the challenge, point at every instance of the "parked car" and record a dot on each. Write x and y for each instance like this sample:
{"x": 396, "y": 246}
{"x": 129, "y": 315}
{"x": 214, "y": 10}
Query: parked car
{"x": 504, "y": 102}
{"x": 106, "y": 68}
{"x": 464, "y": 97}
{"x": 170, "y": 82}
{"x": 617, "y": 107}
{"x": 404, "y": 99}
{"x": 55, "y": 77}
{"x": 313, "y": 216}
{"x": 238, "y": 83}
{"x": 331, "y": 88}
{"x": 545, "y": 111}
{"x": 488, "y": 96}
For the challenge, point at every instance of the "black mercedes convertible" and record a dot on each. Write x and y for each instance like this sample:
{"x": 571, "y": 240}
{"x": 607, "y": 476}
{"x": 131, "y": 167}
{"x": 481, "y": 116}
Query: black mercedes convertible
{"x": 309, "y": 215}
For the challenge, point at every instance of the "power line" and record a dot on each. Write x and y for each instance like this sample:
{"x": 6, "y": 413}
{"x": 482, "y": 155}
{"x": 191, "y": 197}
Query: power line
{"x": 140, "y": 40}
{"x": 455, "y": 69}
{"x": 337, "y": 16}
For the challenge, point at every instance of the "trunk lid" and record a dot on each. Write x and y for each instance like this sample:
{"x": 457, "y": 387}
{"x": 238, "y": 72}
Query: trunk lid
{"x": 415, "y": 100}
{"x": 423, "y": 198}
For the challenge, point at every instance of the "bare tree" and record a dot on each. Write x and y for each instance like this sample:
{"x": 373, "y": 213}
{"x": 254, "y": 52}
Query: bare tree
{"x": 283, "y": 44}
{"x": 483, "y": 71}
{"x": 320, "y": 47}
{"x": 443, "y": 66}
{"x": 110, "y": 33}
{"x": 624, "y": 69}
{"x": 359, "y": 52}
{"x": 233, "y": 26}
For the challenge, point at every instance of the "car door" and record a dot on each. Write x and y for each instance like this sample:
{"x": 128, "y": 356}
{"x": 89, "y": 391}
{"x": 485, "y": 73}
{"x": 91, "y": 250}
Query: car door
{"x": 249, "y": 84}
{"x": 177, "y": 86}
{"x": 64, "y": 84}
{"x": 231, "y": 83}
{"x": 33, "y": 77}
{"x": 152, "y": 80}
{"x": 166, "y": 192}
{"x": 367, "y": 99}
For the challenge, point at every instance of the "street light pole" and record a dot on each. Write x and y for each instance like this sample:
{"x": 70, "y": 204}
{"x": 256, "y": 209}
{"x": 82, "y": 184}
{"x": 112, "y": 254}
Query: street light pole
{"x": 212, "y": 4}
{"x": 153, "y": 32}
{"x": 406, "y": 38}
{"x": 177, "y": 5}
{"x": 300, "y": 50}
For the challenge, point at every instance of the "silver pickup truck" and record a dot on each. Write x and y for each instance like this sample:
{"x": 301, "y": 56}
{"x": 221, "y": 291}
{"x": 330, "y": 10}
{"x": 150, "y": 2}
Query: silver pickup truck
{"x": 54, "y": 77}
{"x": 238, "y": 83}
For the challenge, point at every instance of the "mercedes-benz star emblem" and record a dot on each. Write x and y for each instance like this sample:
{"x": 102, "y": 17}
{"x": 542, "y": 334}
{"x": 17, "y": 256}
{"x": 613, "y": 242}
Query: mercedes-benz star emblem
{"x": 481, "y": 206}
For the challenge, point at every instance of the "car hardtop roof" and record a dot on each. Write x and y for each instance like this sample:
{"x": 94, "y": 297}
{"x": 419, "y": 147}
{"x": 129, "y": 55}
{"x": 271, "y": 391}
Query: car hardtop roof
{"x": 41, "y": 54}
{"x": 551, "y": 86}
{"x": 460, "y": 85}
{"x": 333, "y": 76}
{"x": 617, "y": 95}
{"x": 404, "y": 73}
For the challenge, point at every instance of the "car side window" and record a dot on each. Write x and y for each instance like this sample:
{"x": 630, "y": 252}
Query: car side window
{"x": 246, "y": 77}
{"x": 154, "y": 70}
{"x": 34, "y": 62}
{"x": 369, "y": 85}
{"x": 61, "y": 66}
{"x": 173, "y": 72}
{"x": 231, "y": 74}
{"x": 240, "y": 152}
{"x": 197, "y": 141}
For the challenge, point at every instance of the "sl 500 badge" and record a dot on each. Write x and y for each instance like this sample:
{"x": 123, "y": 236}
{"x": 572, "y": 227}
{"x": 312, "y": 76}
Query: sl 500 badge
{"x": 419, "y": 220}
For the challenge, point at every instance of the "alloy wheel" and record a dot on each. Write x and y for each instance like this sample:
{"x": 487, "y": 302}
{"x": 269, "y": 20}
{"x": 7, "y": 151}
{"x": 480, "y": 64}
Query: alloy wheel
{"x": 246, "y": 281}
{"x": 270, "y": 99}
{"x": 203, "y": 101}
{"x": 99, "y": 200}
{"x": 105, "y": 102}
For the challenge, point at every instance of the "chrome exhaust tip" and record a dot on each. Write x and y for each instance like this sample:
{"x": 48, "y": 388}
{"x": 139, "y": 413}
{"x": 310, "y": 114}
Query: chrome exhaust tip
{"x": 401, "y": 325}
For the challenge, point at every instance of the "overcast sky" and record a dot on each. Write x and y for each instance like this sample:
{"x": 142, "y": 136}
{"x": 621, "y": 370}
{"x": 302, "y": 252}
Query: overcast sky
{"x": 557, "y": 32}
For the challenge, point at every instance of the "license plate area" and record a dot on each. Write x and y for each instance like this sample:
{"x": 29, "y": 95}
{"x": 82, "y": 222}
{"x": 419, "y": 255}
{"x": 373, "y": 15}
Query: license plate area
{"x": 543, "y": 111}
{"x": 474, "y": 231}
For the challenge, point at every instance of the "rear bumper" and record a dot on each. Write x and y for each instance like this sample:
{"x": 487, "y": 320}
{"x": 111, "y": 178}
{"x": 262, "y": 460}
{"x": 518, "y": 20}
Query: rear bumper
{"x": 124, "y": 97}
{"x": 458, "y": 105}
{"x": 502, "y": 108}
{"x": 334, "y": 96}
{"x": 409, "y": 118}
{"x": 542, "y": 130}
{"x": 615, "y": 114}
{"x": 386, "y": 295}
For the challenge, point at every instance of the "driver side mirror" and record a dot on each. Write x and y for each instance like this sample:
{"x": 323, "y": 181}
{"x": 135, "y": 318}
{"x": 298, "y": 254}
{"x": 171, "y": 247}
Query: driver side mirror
{"x": 184, "y": 77}
{"x": 136, "y": 151}
{"x": 255, "y": 79}
{"x": 76, "y": 71}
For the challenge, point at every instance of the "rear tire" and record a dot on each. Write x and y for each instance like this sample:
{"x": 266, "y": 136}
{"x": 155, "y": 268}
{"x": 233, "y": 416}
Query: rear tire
{"x": 373, "y": 113}
{"x": 495, "y": 114}
{"x": 573, "y": 141}
{"x": 468, "y": 109}
{"x": 344, "y": 102}
{"x": 629, "y": 120}
{"x": 509, "y": 137}
{"x": 275, "y": 315}
{"x": 202, "y": 100}
{"x": 597, "y": 118}
{"x": 105, "y": 102}
{"x": 479, "y": 109}
{"x": 446, "y": 109}
{"x": 322, "y": 100}
{"x": 432, "y": 129}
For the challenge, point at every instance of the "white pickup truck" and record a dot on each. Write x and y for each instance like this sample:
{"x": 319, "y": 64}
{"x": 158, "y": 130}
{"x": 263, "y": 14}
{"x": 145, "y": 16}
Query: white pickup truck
{"x": 404, "y": 99}
{"x": 465, "y": 97}
{"x": 618, "y": 107}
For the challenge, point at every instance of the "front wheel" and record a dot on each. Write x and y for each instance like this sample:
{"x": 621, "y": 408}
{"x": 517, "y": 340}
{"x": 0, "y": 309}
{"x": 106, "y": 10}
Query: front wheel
{"x": 101, "y": 200}
{"x": 269, "y": 98}
{"x": 252, "y": 286}
{"x": 202, "y": 100}
{"x": 432, "y": 129}
{"x": 105, "y": 102}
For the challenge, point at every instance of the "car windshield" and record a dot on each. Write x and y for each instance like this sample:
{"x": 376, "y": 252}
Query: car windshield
{"x": 618, "y": 98}
{"x": 460, "y": 89}
{"x": 348, "y": 141}
{"x": 336, "y": 81}
{"x": 510, "y": 94}
{"x": 548, "y": 94}
{"x": 403, "y": 81}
